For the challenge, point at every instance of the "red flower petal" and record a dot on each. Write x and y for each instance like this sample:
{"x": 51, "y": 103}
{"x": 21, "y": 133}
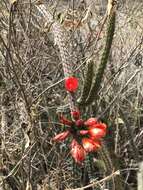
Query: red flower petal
{"x": 90, "y": 145}
{"x": 96, "y": 133}
{"x": 61, "y": 136}
{"x": 73, "y": 143}
{"x": 90, "y": 121}
{"x": 71, "y": 84}
{"x": 78, "y": 153}
{"x": 100, "y": 126}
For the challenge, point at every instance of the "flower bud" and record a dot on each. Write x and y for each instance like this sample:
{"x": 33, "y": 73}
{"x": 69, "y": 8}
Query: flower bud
{"x": 71, "y": 84}
{"x": 90, "y": 121}
{"x": 78, "y": 153}
{"x": 83, "y": 132}
{"x": 79, "y": 122}
{"x": 61, "y": 136}
{"x": 75, "y": 114}
{"x": 65, "y": 121}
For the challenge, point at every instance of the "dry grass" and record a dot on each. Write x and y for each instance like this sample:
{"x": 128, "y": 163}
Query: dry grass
{"x": 30, "y": 65}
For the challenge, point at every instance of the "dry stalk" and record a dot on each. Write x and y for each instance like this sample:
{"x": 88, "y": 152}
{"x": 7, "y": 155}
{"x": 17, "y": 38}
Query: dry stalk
{"x": 93, "y": 184}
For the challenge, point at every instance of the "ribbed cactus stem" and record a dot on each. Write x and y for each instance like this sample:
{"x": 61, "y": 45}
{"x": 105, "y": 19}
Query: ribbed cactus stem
{"x": 96, "y": 84}
{"x": 104, "y": 154}
{"x": 106, "y": 158}
{"x": 87, "y": 82}
{"x": 61, "y": 40}
{"x": 111, "y": 163}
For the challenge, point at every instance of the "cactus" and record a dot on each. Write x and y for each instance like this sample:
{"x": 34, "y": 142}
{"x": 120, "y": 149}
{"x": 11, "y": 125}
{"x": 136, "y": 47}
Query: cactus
{"x": 87, "y": 82}
{"x": 111, "y": 163}
{"x": 104, "y": 155}
{"x": 61, "y": 40}
{"x": 97, "y": 79}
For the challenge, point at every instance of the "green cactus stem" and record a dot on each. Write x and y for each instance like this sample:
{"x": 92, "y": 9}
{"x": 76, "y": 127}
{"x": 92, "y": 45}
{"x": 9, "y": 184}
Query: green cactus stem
{"x": 87, "y": 83}
{"x": 112, "y": 163}
{"x": 96, "y": 84}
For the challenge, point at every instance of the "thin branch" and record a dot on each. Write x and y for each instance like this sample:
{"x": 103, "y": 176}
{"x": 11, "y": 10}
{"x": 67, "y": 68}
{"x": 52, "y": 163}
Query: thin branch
{"x": 98, "y": 182}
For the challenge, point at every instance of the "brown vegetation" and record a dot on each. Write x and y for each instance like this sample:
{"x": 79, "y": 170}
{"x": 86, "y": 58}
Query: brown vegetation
{"x": 32, "y": 93}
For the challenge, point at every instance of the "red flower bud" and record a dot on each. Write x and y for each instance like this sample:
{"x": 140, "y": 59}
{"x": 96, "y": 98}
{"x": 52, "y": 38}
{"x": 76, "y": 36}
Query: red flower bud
{"x": 65, "y": 121}
{"x": 90, "y": 121}
{"x": 78, "y": 152}
{"x": 73, "y": 143}
{"x": 79, "y": 122}
{"x": 83, "y": 132}
{"x": 75, "y": 114}
{"x": 96, "y": 133}
{"x": 61, "y": 136}
{"x": 90, "y": 145}
{"x": 71, "y": 84}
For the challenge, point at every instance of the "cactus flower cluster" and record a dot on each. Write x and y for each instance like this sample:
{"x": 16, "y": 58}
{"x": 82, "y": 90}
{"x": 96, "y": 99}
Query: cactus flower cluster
{"x": 86, "y": 135}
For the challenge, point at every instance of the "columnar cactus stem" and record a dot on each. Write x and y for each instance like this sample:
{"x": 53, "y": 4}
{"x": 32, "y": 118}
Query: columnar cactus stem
{"x": 99, "y": 75}
{"x": 92, "y": 83}
{"x": 87, "y": 82}
{"x": 61, "y": 40}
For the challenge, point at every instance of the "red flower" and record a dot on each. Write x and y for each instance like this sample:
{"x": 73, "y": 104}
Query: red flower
{"x": 61, "y": 136}
{"x": 86, "y": 135}
{"x": 90, "y": 145}
{"x": 90, "y": 121}
{"x": 96, "y": 133}
{"x": 71, "y": 84}
{"x": 77, "y": 152}
{"x": 75, "y": 114}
